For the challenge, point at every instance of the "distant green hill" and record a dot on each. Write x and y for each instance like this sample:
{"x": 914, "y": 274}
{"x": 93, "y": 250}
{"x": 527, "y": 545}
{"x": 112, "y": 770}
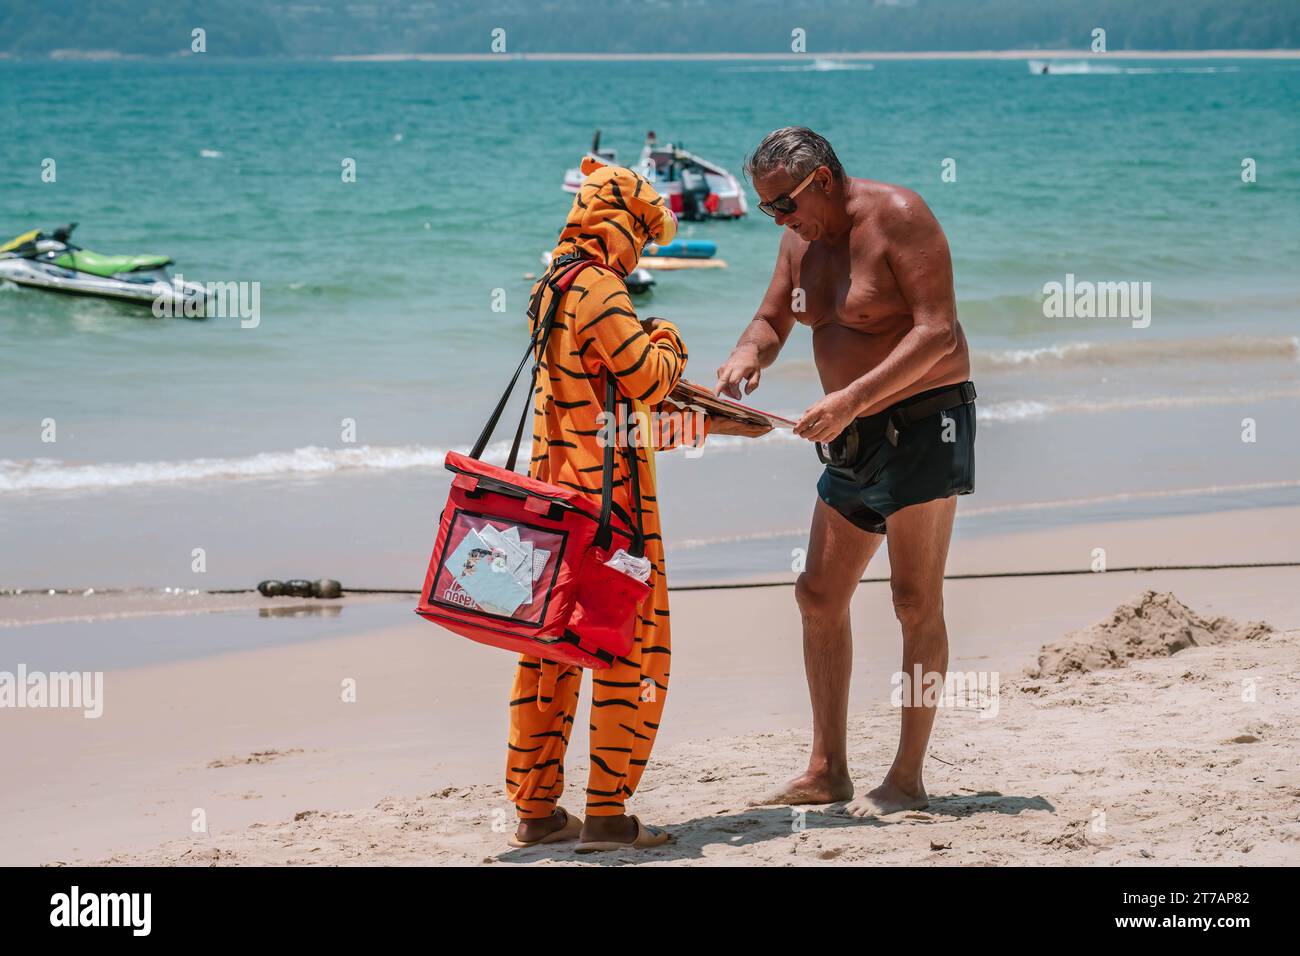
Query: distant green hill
{"x": 330, "y": 27}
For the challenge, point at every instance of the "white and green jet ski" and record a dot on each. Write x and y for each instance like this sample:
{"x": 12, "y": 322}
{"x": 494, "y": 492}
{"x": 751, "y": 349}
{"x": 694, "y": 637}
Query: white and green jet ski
{"x": 52, "y": 263}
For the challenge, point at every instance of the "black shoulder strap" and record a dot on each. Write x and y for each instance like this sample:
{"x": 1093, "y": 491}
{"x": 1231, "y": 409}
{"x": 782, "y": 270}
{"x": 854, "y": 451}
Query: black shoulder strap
{"x": 604, "y": 537}
{"x": 559, "y": 277}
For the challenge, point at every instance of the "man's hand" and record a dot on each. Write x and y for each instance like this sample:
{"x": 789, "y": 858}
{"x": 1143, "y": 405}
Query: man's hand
{"x": 729, "y": 426}
{"x": 651, "y": 323}
{"x": 830, "y": 416}
{"x": 741, "y": 366}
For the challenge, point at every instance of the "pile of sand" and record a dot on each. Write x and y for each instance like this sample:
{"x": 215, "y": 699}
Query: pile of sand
{"x": 1153, "y": 625}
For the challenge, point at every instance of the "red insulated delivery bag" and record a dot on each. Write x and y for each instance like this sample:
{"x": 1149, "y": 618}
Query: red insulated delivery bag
{"x": 520, "y": 563}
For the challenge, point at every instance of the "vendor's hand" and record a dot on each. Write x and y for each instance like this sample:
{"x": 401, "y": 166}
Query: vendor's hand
{"x": 651, "y": 323}
{"x": 741, "y": 366}
{"x": 830, "y": 416}
{"x": 729, "y": 426}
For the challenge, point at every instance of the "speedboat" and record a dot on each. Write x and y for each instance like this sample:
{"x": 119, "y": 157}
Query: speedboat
{"x": 51, "y": 262}
{"x": 694, "y": 188}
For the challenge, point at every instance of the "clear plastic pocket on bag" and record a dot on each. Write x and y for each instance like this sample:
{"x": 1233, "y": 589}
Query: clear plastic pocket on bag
{"x": 498, "y": 568}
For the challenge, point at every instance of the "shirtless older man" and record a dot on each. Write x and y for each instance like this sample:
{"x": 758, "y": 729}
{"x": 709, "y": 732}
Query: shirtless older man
{"x": 866, "y": 266}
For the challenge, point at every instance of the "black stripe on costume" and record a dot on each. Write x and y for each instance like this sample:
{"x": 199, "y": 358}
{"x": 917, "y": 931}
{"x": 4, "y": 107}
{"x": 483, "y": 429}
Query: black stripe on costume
{"x": 634, "y": 733}
{"x": 585, "y": 489}
{"x": 626, "y": 342}
{"x": 578, "y": 375}
{"x": 606, "y": 767}
{"x": 631, "y": 239}
{"x": 536, "y": 766}
{"x": 635, "y": 366}
{"x": 599, "y": 240}
{"x": 612, "y": 310}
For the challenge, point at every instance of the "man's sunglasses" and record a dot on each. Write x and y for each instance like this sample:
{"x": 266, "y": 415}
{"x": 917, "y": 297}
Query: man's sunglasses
{"x": 785, "y": 204}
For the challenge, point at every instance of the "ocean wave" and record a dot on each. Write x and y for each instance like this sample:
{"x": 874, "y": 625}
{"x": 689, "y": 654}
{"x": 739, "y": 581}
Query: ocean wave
{"x": 313, "y": 461}
{"x": 50, "y": 474}
{"x": 1028, "y": 409}
{"x": 1142, "y": 352}
{"x": 816, "y": 66}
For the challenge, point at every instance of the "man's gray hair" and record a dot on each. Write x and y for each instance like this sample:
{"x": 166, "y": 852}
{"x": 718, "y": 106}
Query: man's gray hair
{"x": 795, "y": 149}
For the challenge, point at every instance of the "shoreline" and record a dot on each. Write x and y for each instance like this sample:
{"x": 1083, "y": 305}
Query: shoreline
{"x": 1229, "y": 539}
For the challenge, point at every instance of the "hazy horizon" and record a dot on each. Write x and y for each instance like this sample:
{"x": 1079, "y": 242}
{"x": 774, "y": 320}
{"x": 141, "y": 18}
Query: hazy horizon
{"x": 329, "y": 28}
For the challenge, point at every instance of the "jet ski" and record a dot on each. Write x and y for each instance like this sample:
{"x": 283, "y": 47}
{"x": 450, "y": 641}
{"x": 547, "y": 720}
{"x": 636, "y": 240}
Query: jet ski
{"x": 51, "y": 262}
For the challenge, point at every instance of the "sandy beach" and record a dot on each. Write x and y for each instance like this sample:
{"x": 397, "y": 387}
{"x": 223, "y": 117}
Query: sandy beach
{"x": 1164, "y": 760}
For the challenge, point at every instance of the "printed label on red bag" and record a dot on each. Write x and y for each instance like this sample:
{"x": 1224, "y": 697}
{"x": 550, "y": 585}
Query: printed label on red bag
{"x": 498, "y": 568}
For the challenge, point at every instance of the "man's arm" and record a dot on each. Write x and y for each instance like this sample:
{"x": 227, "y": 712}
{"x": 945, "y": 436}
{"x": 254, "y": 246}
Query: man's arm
{"x": 919, "y": 257}
{"x": 762, "y": 339}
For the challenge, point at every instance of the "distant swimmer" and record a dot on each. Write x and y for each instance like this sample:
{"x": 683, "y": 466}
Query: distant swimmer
{"x": 865, "y": 265}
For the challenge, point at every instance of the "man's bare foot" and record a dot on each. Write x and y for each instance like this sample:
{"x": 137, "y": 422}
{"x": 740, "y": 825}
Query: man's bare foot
{"x": 616, "y": 829}
{"x": 810, "y": 787}
{"x": 887, "y": 798}
{"x": 530, "y": 831}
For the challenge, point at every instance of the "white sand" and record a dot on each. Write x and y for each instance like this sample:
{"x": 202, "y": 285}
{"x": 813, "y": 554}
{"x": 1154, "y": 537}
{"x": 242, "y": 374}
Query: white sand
{"x": 1162, "y": 762}
{"x": 1182, "y": 763}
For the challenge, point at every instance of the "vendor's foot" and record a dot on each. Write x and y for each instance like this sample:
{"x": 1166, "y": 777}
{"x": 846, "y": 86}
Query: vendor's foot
{"x": 811, "y": 786}
{"x": 536, "y": 831}
{"x": 616, "y": 829}
{"x": 886, "y": 799}
{"x": 618, "y": 834}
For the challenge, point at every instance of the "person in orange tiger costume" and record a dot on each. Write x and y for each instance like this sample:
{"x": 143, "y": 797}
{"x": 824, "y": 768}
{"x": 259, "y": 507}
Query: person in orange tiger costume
{"x": 615, "y": 214}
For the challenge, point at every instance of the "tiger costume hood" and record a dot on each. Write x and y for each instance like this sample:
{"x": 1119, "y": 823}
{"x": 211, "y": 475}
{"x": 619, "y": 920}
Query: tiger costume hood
{"x": 615, "y": 214}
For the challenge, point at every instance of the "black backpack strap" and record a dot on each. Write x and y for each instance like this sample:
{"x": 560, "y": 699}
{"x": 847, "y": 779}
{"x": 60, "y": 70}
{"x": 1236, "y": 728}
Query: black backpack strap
{"x": 608, "y": 508}
{"x": 557, "y": 279}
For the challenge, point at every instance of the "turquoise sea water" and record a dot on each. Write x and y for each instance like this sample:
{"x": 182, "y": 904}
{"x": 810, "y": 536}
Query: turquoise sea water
{"x": 376, "y": 296}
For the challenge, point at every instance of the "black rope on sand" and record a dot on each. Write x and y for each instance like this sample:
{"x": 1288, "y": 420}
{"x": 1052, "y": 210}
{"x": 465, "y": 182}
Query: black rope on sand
{"x": 737, "y": 586}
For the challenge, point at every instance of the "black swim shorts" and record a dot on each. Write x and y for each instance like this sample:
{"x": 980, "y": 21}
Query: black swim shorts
{"x": 934, "y": 458}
